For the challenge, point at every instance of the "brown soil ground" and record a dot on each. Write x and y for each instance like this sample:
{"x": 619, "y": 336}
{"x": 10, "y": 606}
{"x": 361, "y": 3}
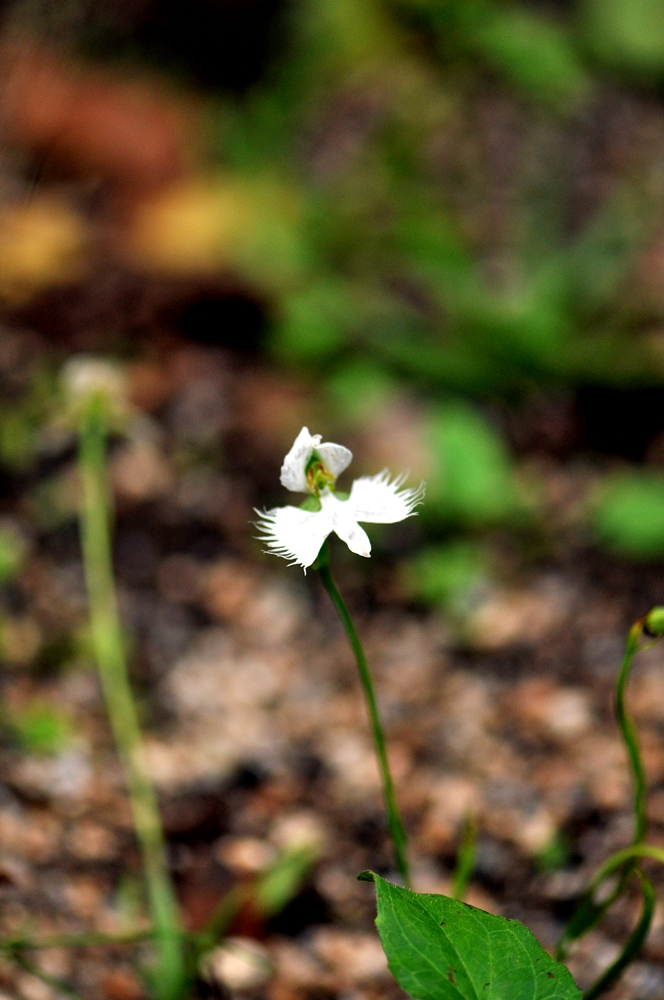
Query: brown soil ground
{"x": 257, "y": 734}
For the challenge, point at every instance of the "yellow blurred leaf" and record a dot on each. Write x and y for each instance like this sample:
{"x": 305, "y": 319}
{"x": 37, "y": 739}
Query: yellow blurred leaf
{"x": 194, "y": 225}
{"x": 204, "y": 225}
{"x": 42, "y": 243}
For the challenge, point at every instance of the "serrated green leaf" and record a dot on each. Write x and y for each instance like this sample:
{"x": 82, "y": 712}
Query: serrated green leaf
{"x": 441, "y": 949}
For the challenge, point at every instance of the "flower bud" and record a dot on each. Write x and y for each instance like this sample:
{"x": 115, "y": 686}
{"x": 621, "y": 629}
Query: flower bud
{"x": 86, "y": 378}
{"x": 654, "y": 622}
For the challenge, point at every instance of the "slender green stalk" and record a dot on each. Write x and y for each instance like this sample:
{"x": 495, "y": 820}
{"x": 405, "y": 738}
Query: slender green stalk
{"x": 268, "y": 893}
{"x": 633, "y": 946}
{"x": 87, "y": 939}
{"x": 627, "y": 854}
{"x": 588, "y": 913}
{"x": 394, "y": 821}
{"x": 63, "y": 989}
{"x": 111, "y": 661}
{"x": 465, "y": 859}
{"x": 223, "y": 916}
{"x": 629, "y": 735}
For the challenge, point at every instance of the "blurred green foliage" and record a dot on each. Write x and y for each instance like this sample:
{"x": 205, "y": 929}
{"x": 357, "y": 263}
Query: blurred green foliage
{"x": 413, "y": 267}
{"x": 281, "y": 882}
{"x": 447, "y": 574}
{"x": 23, "y": 420}
{"x": 470, "y": 481}
{"x": 434, "y": 200}
{"x": 554, "y": 855}
{"x": 359, "y": 389}
{"x": 12, "y": 553}
{"x": 629, "y": 516}
{"x": 41, "y": 729}
{"x": 355, "y": 119}
{"x": 628, "y": 36}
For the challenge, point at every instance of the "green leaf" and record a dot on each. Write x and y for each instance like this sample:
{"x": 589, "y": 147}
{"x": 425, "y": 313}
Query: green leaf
{"x": 629, "y": 515}
{"x": 42, "y": 729}
{"x": 471, "y": 478}
{"x": 360, "y": 388}
{"x": 284, "y": 879}
{"x": 315, "y": 322}
{"x": 12, "y": 553}
{"x": 446, "y": 574}
{"x": 441, "y": 949}
{"x": 626, "y": 35}
{"x": 534, "y": 51}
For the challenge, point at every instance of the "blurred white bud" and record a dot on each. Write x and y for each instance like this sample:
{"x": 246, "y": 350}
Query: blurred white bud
{"x": 244, "y": 855}
{"x": 85, "y": 377}
{"x": 238, "y": 964}
{"x": 301, "y": 830}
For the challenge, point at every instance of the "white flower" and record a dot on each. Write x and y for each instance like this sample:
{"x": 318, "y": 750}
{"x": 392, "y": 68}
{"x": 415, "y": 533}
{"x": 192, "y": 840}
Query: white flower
{"x": 297, "y": 533}
{"x": 84, "y": 377}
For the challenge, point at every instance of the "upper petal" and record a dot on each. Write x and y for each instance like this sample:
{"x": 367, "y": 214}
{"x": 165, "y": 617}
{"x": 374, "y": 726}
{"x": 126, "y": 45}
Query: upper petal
{"x": 295, "y": 534}
{"x": 293, "y": 475}
{"x": 335, "y": 457}
{"x": 374, "y": 499}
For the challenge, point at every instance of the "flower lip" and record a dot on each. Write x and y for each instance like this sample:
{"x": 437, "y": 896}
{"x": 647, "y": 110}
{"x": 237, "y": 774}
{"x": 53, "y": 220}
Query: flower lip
{"x": 297, "y": 533}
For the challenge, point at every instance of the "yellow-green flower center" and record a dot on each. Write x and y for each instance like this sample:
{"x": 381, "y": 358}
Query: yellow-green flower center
{"x": 318, "y": 476}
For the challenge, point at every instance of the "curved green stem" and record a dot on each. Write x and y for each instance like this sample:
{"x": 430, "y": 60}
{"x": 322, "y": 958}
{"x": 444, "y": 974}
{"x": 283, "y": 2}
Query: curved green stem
{"x": 110, "y": 654}
{"x": 633, "y": 946}
{"x": 395, "y": 824}
{"x": 588, "y": 913}
{"x": 630, "y": 736}
{"x": 627, "y": 854}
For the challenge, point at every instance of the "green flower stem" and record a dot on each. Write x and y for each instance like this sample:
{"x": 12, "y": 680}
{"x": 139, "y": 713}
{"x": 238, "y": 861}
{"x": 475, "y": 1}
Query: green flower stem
{"x": 588, "y": 912}
{"x": 61, "y": 988}
{"x": 394, "y": 821}
{"x": 226, "y": 910}
{"x": 87, "y": 939}
{"x": 627, "y": 854}
{"x": 111, "y": 661}
{"x": 629, "y": 734}
{"x": 466, "y": 857}
{"x": 633, "y": 946}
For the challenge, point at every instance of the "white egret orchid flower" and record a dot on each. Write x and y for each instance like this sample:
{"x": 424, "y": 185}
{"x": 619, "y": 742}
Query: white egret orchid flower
{"x": 298, "y": 533}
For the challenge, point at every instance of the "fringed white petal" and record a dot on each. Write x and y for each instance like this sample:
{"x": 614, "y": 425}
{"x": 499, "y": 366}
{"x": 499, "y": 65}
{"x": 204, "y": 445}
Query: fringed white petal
{"x": 345, "y": 525}
{"x": 376, "y": 500}
{"x": 294, "y": 534}
{"x": 293, "y": 475}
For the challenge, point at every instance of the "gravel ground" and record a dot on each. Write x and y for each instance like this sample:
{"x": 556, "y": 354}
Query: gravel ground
{"x": 256, "y": 732}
